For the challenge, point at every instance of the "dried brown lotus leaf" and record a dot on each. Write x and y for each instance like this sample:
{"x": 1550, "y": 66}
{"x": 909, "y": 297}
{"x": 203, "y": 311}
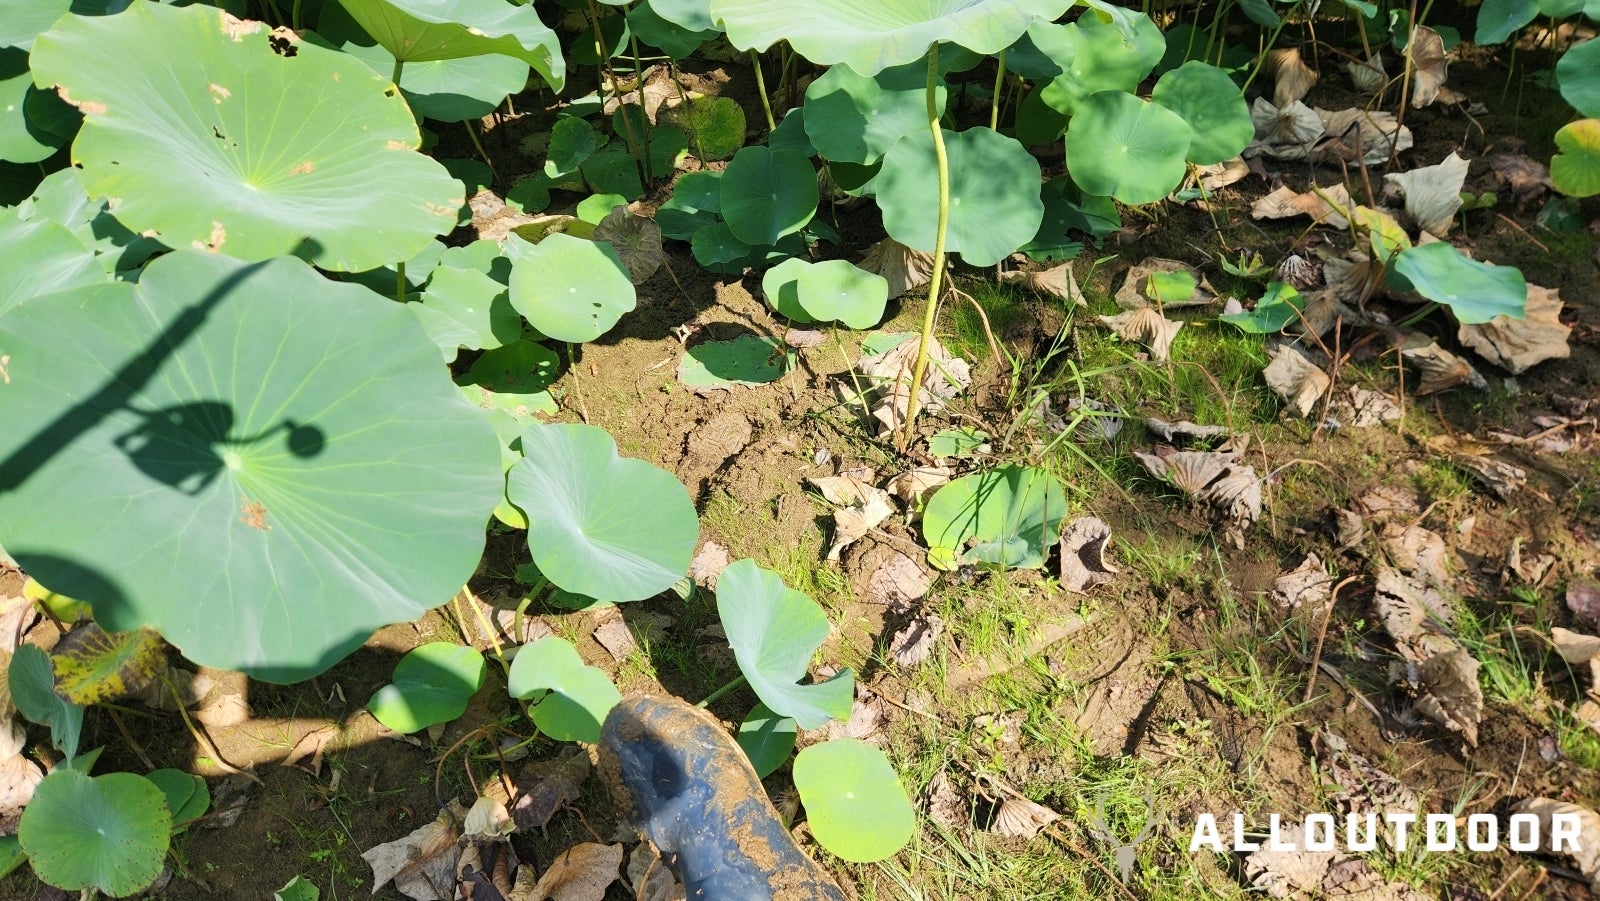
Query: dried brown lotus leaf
{"x": 1421, "y": 554}
{"x": 1307, "y": 586}
{"x": 1366, "y": 407}
{"x": 1433, "y": 193}
{"x": 1284, "y": 132}
{"x": 1294, "y": 79}
{"x": 651, "y": 878}
{"x": 913, "y": 644}
{"x": 421, "y": 863}
{"x": 19, "y": 776}
{"x": 580, "y": 873}
{"x": 708, "y": 563}
{"x": 944, "y": 803}
{"x": 636, "y": 239}
{"x": 889, "y": 376}
{"x": 898, "y": 582}
{"x": 1132, "y": 294}
{"x": 1296, "y": 379}
{"x": 1148, "y": 327}
{"x": 1285, "y": 871}
{"x": 1415, "y": 616}
{"x": 1184, "y": 430}
{"x": 1428, "y": 66}
{"x": 1497, "y": 475}
{"x": 1517, "y": 345}
{"x": 1451, "y": 695}
{"x": 913, "y": 486}
{"x": 1585, "y": 850}
{"x": 1370, "y": 136}
{"x": 1299, "y": 272}
{"x": 1368, "y": 76}
{"x": 1083, "y": 555}
{"x": 851, "y": 524}
{"x": 904, "y": 269}
{"x": 1213, "y": 478}
{"x": 1527, "y": 178}
{"x": 1286, "y": 203}
{"x": 846, "y": 488}
{"x": 1019, "y": 817}
{"x": 1054, "y": 282}
{"x": 1220, "y": 175}
{"x": 1440, "y": 370}
{"x": 1362, "y": 786}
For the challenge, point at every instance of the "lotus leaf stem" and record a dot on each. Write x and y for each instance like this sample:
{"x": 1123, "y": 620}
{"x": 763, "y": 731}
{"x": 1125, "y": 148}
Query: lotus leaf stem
{"x": 935, "y": 278}
{"x": 994, "y": 103}
{"x": 479, "y": 146}
{"x": 400, "y": 282}
{"x": 761, "y": 89}
{"x": 733, "y": 683}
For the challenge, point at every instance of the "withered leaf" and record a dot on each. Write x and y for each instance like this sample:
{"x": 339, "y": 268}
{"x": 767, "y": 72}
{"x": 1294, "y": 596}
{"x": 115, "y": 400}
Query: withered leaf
{"x": 1083, "y": 555}
{"x": 1296, "y": 379}
{"x": 1148, "y": 327}
{"x": 1517, "y": 345}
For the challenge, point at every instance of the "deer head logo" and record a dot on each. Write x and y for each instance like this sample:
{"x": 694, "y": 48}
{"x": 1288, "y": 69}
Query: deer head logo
{"x": 1123, "y": 851}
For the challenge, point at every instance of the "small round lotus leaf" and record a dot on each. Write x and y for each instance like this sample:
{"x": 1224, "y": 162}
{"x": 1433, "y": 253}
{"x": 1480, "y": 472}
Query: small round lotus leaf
{"x": 298, "y": 889}
{"x": 107, "y": 832}
{"x": 422, "y": 30}
{"x": 791, "y": 133}
{"x": 994, "y": 194}
{"x": 600, "y": 525}
{"x": 716, "y": 248}
{"x": 767, "y": 194}
{"x": 186, "y": 794}
{"x": 572, "y": 141}
{"x": 264, "y": 433}
{"x": 571, "y": 289}
{"x": 1100, "y": 56}
{"x": 854, "y": 118}
{"x": 1010, "y": 516}
{"x": 871, "y": 37}
{"x": 781, "y": 287}
{"x": 854, "y": 801}
{"x": 579, "y": 696}
{"x": 34, "y": 124}
{"x": 1127, "y": 148}
{"x": 838, "y": 290}
{"x": 1475, "y": 292}
{"x": 775, "y": 631}
{"x": 695, "y": 202}
{"x": 613, "y": 171}
{"x": 211, "y": 138}
{"x": 596, "y": 207}
{"x": 1574, "y": 171}
{"x": 673, "y": 39}
{"x": 1579, "y": 75}
{"x": 1211, "y": 103}
{"x": 715, "y": 125}
{"x": 432, "y": 684}
{"x": 466, "y": 308}
{"x": 32, "y": 681}
{"x": 767, "y": 739}
{"x": 746, "y": 360}
{"x": 529, "y": 195}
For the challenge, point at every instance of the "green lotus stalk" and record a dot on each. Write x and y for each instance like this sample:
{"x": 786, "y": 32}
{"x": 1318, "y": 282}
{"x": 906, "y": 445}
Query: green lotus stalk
{"x": 920, "y": 368}
{"x": 761, "y": 89}
{"x": 994, "y": 103}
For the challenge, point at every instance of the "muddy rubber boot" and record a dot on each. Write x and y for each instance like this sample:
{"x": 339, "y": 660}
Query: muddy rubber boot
{"x": 685, "y": 784}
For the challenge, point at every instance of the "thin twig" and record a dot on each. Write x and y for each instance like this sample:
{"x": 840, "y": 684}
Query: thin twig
{"x": 1322, "y": 635}
{"x": 1513, "y": 223}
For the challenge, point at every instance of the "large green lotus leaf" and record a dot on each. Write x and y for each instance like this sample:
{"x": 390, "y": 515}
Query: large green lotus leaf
{"x": 694, "y": 15}
{"x": 208, "y": 136}
{"x": 571, "y": 289}
{"x": 107, "y": 832}
{"x": 1579, "y": 75}
{"x": 871, "y": 37}
{"x": 23, "y": 20}
{"x": 854, "y": 801}
{"x": 767, "y": 194}
{"x": 34, "y": 124}
{"x": 994, "y": 194}
{"x": 1127, "y": 148}
{"x": 673, "y": 39}
{"x": 598, "y": 524}
{"x": 1475, "y": 292}
{"x": 775, "y": 631}
{"x": 39, "y": 256}
{"x": 1575, "y": 170}
{"x": 432, "y": 684}
{"x": 423, "y": 30}
{"x": 574, "y": 697}
{"x": 855, "y": 118}
{"x": 840, "y": 291}
{"x": 1099, "y": 56}
{"x": 262, "y": 464}
{"x": 447, "y": 90}
{"x": 1010, "y": 516}
{"x": 1498, "y": 19}
{"x": 1207, "y": 99}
